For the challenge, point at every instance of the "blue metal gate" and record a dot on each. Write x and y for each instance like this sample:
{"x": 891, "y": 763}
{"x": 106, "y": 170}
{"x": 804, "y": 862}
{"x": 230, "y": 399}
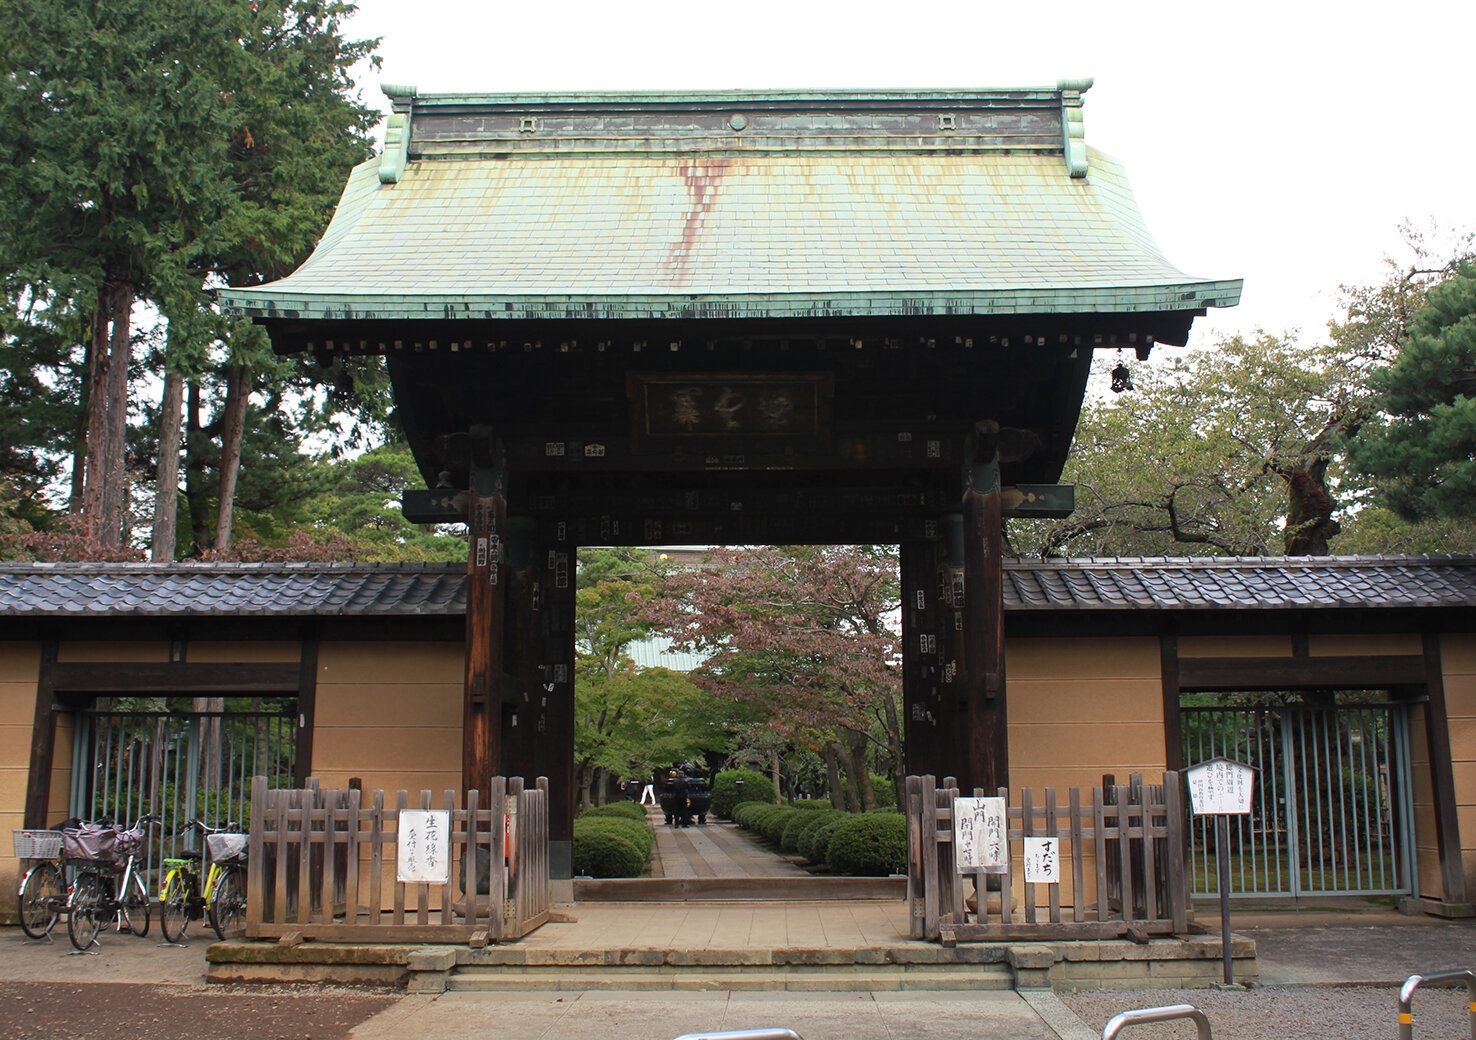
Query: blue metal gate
{"x": 1333, "y": 811}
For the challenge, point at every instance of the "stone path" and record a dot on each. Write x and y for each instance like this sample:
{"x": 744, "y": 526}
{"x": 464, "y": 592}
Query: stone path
{"x": 713, "y": 850}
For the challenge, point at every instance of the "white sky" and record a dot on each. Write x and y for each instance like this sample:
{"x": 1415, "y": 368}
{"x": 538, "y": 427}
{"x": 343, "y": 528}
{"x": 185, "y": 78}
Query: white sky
{"x": 1278, "y": 142}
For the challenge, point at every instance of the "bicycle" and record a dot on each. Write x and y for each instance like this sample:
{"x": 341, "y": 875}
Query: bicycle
{"x": 183, "y": 899}
{"x": 101, "y": 891}
{"x": 43, "y": 888}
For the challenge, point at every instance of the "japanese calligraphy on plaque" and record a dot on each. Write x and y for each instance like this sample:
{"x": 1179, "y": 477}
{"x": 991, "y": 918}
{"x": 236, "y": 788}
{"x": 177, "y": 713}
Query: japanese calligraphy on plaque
{"x": 707, "y": 407}
{"x": 1042, "y": 861}
{"x": 980, "y": 839}
{"x": 423, "y": 847}
{"x": 1221, "y": 786}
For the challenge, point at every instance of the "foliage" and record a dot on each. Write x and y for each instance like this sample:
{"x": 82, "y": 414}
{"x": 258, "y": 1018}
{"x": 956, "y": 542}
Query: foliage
{"x": 726, "y": 794}
{"x": 801, "y": 825}
{"x": 604, "y": 853}
{"x": 869, "y": 844}
{"x": 802, "y": 637}
{"x": 814, "y": 844}
{"x": 622, "y": 810}
{"x": 1423, "y": 449}
{"x": 67, "y": 541}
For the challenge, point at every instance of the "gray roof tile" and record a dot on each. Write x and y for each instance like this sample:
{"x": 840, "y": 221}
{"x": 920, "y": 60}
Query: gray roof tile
{"x": 388, "y": 590}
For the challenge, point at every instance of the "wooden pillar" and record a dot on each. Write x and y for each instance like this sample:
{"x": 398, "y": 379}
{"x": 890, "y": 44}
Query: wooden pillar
{"x": 986, "y": 721}
{"x": 1442, "y": 777}
{"x": 554, "y": 735}
{"x": 521, "y": 650}
{"x": 921, "y": 665}
{"x": 481, "y": 733}
{"x": 1173, "y": 728}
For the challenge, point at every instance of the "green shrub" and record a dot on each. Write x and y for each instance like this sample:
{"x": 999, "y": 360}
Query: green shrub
{"x": 725, "y": 792}
{"x": 799, "y": 825}
{"x": 816, "y": 843}
{"x": 772, "y": 826}
{"x": 886, "y": 791}
{"x": 869, "y": 845}
{"x": 636, "y": 833}
{"x": 629, "y": 810}
{"x": 812, "y": 803}
{"x": 750, "y": 815}
{"x": 605, "y": 854}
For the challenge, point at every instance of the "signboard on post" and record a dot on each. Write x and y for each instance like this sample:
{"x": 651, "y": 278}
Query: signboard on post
{"x": 980, "y": 835}
{"x": 423, "y": 847}
{"x": 1222, "y": 788}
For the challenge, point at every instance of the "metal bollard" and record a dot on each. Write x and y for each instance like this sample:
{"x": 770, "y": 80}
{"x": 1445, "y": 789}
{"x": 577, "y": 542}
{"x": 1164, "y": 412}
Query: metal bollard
{"x": 1438, "y": 978}
{"x": 744, "y": 1034}
{"x": 1158, "y": 1014}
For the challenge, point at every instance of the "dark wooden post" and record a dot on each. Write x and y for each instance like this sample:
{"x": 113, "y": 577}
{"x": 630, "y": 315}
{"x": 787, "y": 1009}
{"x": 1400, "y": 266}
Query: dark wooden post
{"x": 986, "y": 722}
{"x": 554, "y": 733}
{"x": 1442, "y": 777}
{"x": 43, "y": 742}
{"x": 481, "y": 734}
{"x": 921, "y": 672}
{"x": 520, "y": 693}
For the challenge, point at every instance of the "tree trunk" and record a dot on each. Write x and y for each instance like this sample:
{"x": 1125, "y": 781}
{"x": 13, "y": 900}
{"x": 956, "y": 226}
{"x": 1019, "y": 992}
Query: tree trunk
{"x": 196, "y": 493}
{"x": 865, "y": 790}
{"x": 230, "y": 451}
{"x": 776, "y": 775}
{"x": 166, "y": 486}
{"x": 833, "y": 777}
{"x": 212, "y": 757}
{"x": 849, "y": 788}
{"x": 79, "y": 438}
{"x": 107, "y": 414}
{"x": 896, "y": 747}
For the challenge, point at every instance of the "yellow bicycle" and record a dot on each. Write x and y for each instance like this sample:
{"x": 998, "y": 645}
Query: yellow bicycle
{"x": 222, "y": 897}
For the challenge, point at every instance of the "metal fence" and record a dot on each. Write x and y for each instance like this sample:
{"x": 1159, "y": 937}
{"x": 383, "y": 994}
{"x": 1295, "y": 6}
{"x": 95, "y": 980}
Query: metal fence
{"x": 178, "y": 765}
{"x": 1332, "y": 810}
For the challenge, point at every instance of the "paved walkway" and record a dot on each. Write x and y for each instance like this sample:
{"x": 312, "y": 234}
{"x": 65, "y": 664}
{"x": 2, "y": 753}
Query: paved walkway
{"x": 712, "y": 850}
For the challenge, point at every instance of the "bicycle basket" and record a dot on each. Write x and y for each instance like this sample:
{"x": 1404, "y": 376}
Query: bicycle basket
{"x": 91, "y": 841}
{"x": 130, "y": 842}
{"x": 37, "y": 844}
{"x": 227, "y": 848}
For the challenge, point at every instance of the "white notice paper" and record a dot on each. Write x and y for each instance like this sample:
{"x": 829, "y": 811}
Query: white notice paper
{"x": 1042, "y": 861}
{"x": 423, "y": 847}
{"x": 980, "y": 835}
{"x": 1221, "y": 787}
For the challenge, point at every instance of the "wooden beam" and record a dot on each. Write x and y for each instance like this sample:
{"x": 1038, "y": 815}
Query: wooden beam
{"x": 922, "y": 650}
{"x": 173, "y": 678}
{"x": 307, "y": 708}
{"x": 43, "y": 742}
{"x": 481, "y": 720}
{"x": 1442, "y": 775}
{"x": 1279, "y": 673}
{"x": 1173, "y": 732}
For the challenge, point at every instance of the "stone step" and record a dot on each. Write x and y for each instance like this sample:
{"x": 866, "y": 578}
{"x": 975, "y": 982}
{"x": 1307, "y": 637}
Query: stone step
{"x": 849, "y": 978}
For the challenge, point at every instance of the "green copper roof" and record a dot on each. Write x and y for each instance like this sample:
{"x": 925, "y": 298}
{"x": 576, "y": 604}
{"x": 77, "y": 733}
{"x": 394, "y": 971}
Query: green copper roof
{"x": 772, "y": 204}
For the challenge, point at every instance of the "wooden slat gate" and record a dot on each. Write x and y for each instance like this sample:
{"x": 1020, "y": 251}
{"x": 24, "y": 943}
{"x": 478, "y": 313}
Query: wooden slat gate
{"x": 322, "y": 866}
{"x": 1125, "y": 851}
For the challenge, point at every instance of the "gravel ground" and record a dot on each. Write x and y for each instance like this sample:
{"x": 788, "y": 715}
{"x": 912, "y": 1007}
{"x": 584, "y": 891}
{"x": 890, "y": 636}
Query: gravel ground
{"x": 1283, "y": 1013}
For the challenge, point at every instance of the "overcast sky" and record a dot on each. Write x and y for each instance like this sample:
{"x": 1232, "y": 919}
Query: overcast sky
{"x": 1282, "y": 143}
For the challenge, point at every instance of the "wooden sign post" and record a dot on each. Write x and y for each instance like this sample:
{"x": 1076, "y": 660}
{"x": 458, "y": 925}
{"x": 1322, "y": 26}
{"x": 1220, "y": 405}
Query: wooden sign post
{"x": 1221, "y": 787}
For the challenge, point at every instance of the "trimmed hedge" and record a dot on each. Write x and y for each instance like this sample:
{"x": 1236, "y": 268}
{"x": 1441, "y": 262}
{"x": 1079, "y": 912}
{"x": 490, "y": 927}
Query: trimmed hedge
{"x": 816, "y": 842}
{"x": 626, "y": 810}
{"x": 869, "y": 845}
{"x": 772, "y": 826}
{"x": 748, "y": 815}
{"x": 801, "y": 825}
{"x": 611, "y": 845}
{"x": 725, "y": 797}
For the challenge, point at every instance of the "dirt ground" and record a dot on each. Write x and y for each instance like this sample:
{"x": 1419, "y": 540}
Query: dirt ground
{"x": 127, "y": 1011}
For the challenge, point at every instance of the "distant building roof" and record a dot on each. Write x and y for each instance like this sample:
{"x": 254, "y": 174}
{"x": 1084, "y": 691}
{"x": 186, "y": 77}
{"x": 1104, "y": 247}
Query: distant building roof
{"x": 765, "y": 204}
{"x": 1087, "y": 584}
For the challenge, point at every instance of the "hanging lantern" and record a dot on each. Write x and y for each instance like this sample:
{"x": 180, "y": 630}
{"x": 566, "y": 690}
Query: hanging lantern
{"x": 1122, "y": 379}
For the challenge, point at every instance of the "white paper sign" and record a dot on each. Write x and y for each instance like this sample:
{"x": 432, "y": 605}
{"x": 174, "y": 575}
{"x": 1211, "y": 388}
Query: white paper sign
{"x": 1221, "y": 787}
{"x": 423, "y": 847}
{"x": 979, "y": 836}
{"x": 1042, "y": 861}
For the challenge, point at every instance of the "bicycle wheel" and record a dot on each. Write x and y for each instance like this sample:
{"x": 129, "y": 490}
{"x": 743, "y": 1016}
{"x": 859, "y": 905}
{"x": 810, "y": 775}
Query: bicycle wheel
{"x": 174, "y": 906}
{"x": 228, "y": 903}
{"x": 85, "y": 913}
{"x": 137, "y": 907}
{"x": 42, "y": 895}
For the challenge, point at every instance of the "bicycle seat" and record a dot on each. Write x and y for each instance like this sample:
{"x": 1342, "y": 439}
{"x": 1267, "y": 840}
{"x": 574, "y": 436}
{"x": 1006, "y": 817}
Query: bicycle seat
{"x": 193, "y": 855}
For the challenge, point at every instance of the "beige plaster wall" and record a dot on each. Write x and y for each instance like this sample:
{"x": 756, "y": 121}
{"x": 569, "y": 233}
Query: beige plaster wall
{"x": 1235, "y": 646}
{"x": 390, "y": 714}
{"x": 20, "y": 665}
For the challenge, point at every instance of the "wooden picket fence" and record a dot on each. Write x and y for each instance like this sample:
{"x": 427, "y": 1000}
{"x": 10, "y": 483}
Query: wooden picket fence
{"x": 322, "y": 865}
{"x": 1129, "y": 840}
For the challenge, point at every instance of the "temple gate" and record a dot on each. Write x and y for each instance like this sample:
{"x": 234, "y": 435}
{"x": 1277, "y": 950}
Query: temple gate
{"x": 775, "y": 317}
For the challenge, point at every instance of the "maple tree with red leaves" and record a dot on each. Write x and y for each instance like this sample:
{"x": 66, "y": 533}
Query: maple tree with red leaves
{"x": 805, "y": 636}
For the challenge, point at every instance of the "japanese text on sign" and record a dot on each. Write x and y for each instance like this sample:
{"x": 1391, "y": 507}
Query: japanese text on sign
{"x": 423, "y": 847}
{"x": 1042, "y": 861}
{"x": 979, "y": 835}
{"x": 1220, "y": 787}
